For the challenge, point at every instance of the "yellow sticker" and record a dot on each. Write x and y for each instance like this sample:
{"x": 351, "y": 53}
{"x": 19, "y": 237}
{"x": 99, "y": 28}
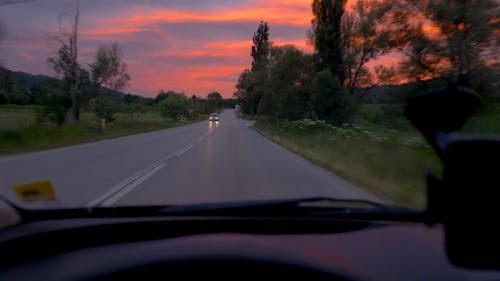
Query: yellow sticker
{"x": 35, "y": 191}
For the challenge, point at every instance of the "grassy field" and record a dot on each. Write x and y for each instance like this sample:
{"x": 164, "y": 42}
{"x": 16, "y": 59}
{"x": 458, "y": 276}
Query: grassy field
{"x": 19, "y": 133}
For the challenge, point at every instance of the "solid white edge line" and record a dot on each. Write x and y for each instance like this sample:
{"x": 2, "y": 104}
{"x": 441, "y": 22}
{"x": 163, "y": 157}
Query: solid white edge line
{"x": 120, "y": 194}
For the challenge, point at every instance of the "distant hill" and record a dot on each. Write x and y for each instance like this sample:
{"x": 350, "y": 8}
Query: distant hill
{"x": 17, "y": 77}
{"x": 30, "y": 79}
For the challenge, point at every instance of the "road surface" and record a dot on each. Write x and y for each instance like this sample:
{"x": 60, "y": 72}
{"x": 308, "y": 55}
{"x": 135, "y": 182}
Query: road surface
{"x": 198, "y": 163}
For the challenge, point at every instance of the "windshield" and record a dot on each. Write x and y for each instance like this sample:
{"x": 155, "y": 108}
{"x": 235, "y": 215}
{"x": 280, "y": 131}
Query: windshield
{"x": 109, "y": 103}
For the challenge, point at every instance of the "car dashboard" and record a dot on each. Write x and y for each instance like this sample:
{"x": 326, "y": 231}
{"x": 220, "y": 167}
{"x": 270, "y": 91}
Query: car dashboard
{"x": 227, "y": 248}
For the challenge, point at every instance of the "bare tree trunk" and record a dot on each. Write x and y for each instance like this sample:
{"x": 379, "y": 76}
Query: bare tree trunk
{"x": 75, "y": 73}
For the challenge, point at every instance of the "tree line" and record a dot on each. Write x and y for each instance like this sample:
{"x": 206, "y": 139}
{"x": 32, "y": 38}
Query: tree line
{"x": 440, "y": 42}
{"x": 52, "y": 102}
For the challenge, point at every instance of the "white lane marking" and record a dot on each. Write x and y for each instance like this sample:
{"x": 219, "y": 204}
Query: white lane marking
{"x": 202, "y": 137}
{"x": 185, "y": 149}
{"x": 127, "y": 181}
{"x": 117, "y": 196}
{"x": 132, "y": 180}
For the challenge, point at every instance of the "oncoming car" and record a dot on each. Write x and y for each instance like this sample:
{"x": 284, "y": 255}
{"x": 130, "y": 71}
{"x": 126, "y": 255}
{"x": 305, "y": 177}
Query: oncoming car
{"x": 213, "y": 117}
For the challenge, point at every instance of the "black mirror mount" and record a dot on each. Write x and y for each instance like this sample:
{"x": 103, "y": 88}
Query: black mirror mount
{"x": 465, "y": 199}
{"x": 469, "y": 202}
{"x": 441, "y": 112}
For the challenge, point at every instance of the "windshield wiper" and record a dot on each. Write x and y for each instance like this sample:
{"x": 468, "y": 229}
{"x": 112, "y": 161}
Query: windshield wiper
{"x": 316, "y": 207}
{"x": 304, "y": 207}
{"x": 276, "y": 205}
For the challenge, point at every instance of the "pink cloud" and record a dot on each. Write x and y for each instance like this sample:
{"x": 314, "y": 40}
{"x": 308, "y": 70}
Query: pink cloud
{"x": 24, "y": 56}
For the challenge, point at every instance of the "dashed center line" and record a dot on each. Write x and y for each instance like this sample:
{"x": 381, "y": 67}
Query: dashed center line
{"x": 184, "y": 150}
{"x": 121, "y": 189}
{"x": 117, "y": 196}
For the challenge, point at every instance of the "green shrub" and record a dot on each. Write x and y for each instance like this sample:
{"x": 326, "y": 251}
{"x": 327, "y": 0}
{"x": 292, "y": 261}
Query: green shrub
{"x": 3, "y": 96}
{"x": 329, "y": 100}
{"x": 105, "y": 107}
{"x": 174, "y": 106}
{"x": 54, "y": 108}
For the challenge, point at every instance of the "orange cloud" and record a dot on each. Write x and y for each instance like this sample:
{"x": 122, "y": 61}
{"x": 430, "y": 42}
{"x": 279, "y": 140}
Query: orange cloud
{"x": 299, "y": 44}
{"x": 111, "y": 30}
{"x": 199, "y": 80}
{"x": 271, "y": 13}
{"x": 236, "y": 49}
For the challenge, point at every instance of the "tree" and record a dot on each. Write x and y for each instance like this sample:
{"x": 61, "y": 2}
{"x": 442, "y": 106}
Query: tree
{"x": 6, "y": 83}
{"x": 214, "y": 100}
{"x": 290, "y": 72}
{"x": 260, "y": 48}
{"x": 229, "y": 103}
{"x": 365, "y": 37}
{"x": 21, "y": 94}
{"x": 200, "y": 106}
{"x": 326, "y": 35}
{"x": 3, "y": 96}
{"x": 174, "y": 106}
{"x": 105, "y": 107}
{"x": 109, "y": 70}
{"x": 54, "y": 103}
{"x": 65, "y": 62}
{"x": 328, "y": 100}
{"x": 163, "y": 95}
{"x": 251, "y": 83}
{"x": 250, "y": 89}
{"x": 453, "y": 39}
{"x": 129, "y": 98}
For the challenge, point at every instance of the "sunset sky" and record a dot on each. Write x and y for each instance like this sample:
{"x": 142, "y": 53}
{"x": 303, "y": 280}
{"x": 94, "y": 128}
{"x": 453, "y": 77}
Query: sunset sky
{"x": 193, "y": 46}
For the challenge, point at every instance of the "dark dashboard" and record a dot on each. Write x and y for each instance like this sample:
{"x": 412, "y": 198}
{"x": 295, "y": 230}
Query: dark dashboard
{"x": 227, "y": 248}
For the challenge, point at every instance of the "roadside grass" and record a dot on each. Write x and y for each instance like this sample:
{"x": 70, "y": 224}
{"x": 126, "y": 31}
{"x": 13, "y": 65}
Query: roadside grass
{"x": 16, "y": 116}
{"x": 19, "y": 133}
{"x": 383, "y": 161}
{"x": 245, "y": 116}
{"x": 380, "y": 151}
{"x": 487, "y": 121}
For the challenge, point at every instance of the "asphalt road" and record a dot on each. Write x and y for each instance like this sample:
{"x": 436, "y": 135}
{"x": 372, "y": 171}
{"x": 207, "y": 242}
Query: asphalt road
{"x": 198, "y": 163}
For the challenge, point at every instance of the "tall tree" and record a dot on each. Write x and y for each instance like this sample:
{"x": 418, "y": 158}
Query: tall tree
{"x": 109, "y": 69}
{"x": 65, "y": 62}
{"x": 260, "y": 47}
{"x": 251, "y": 83}
{"x": 328, "y": 100}
{"x": 454, "y": 39}
{"x": 365, "y": 37}
{"x": 6, "y": 84}
{"x": 326, "y": 34}
{"x": 214, "y": 100}
{"x": 287, "y": 93}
